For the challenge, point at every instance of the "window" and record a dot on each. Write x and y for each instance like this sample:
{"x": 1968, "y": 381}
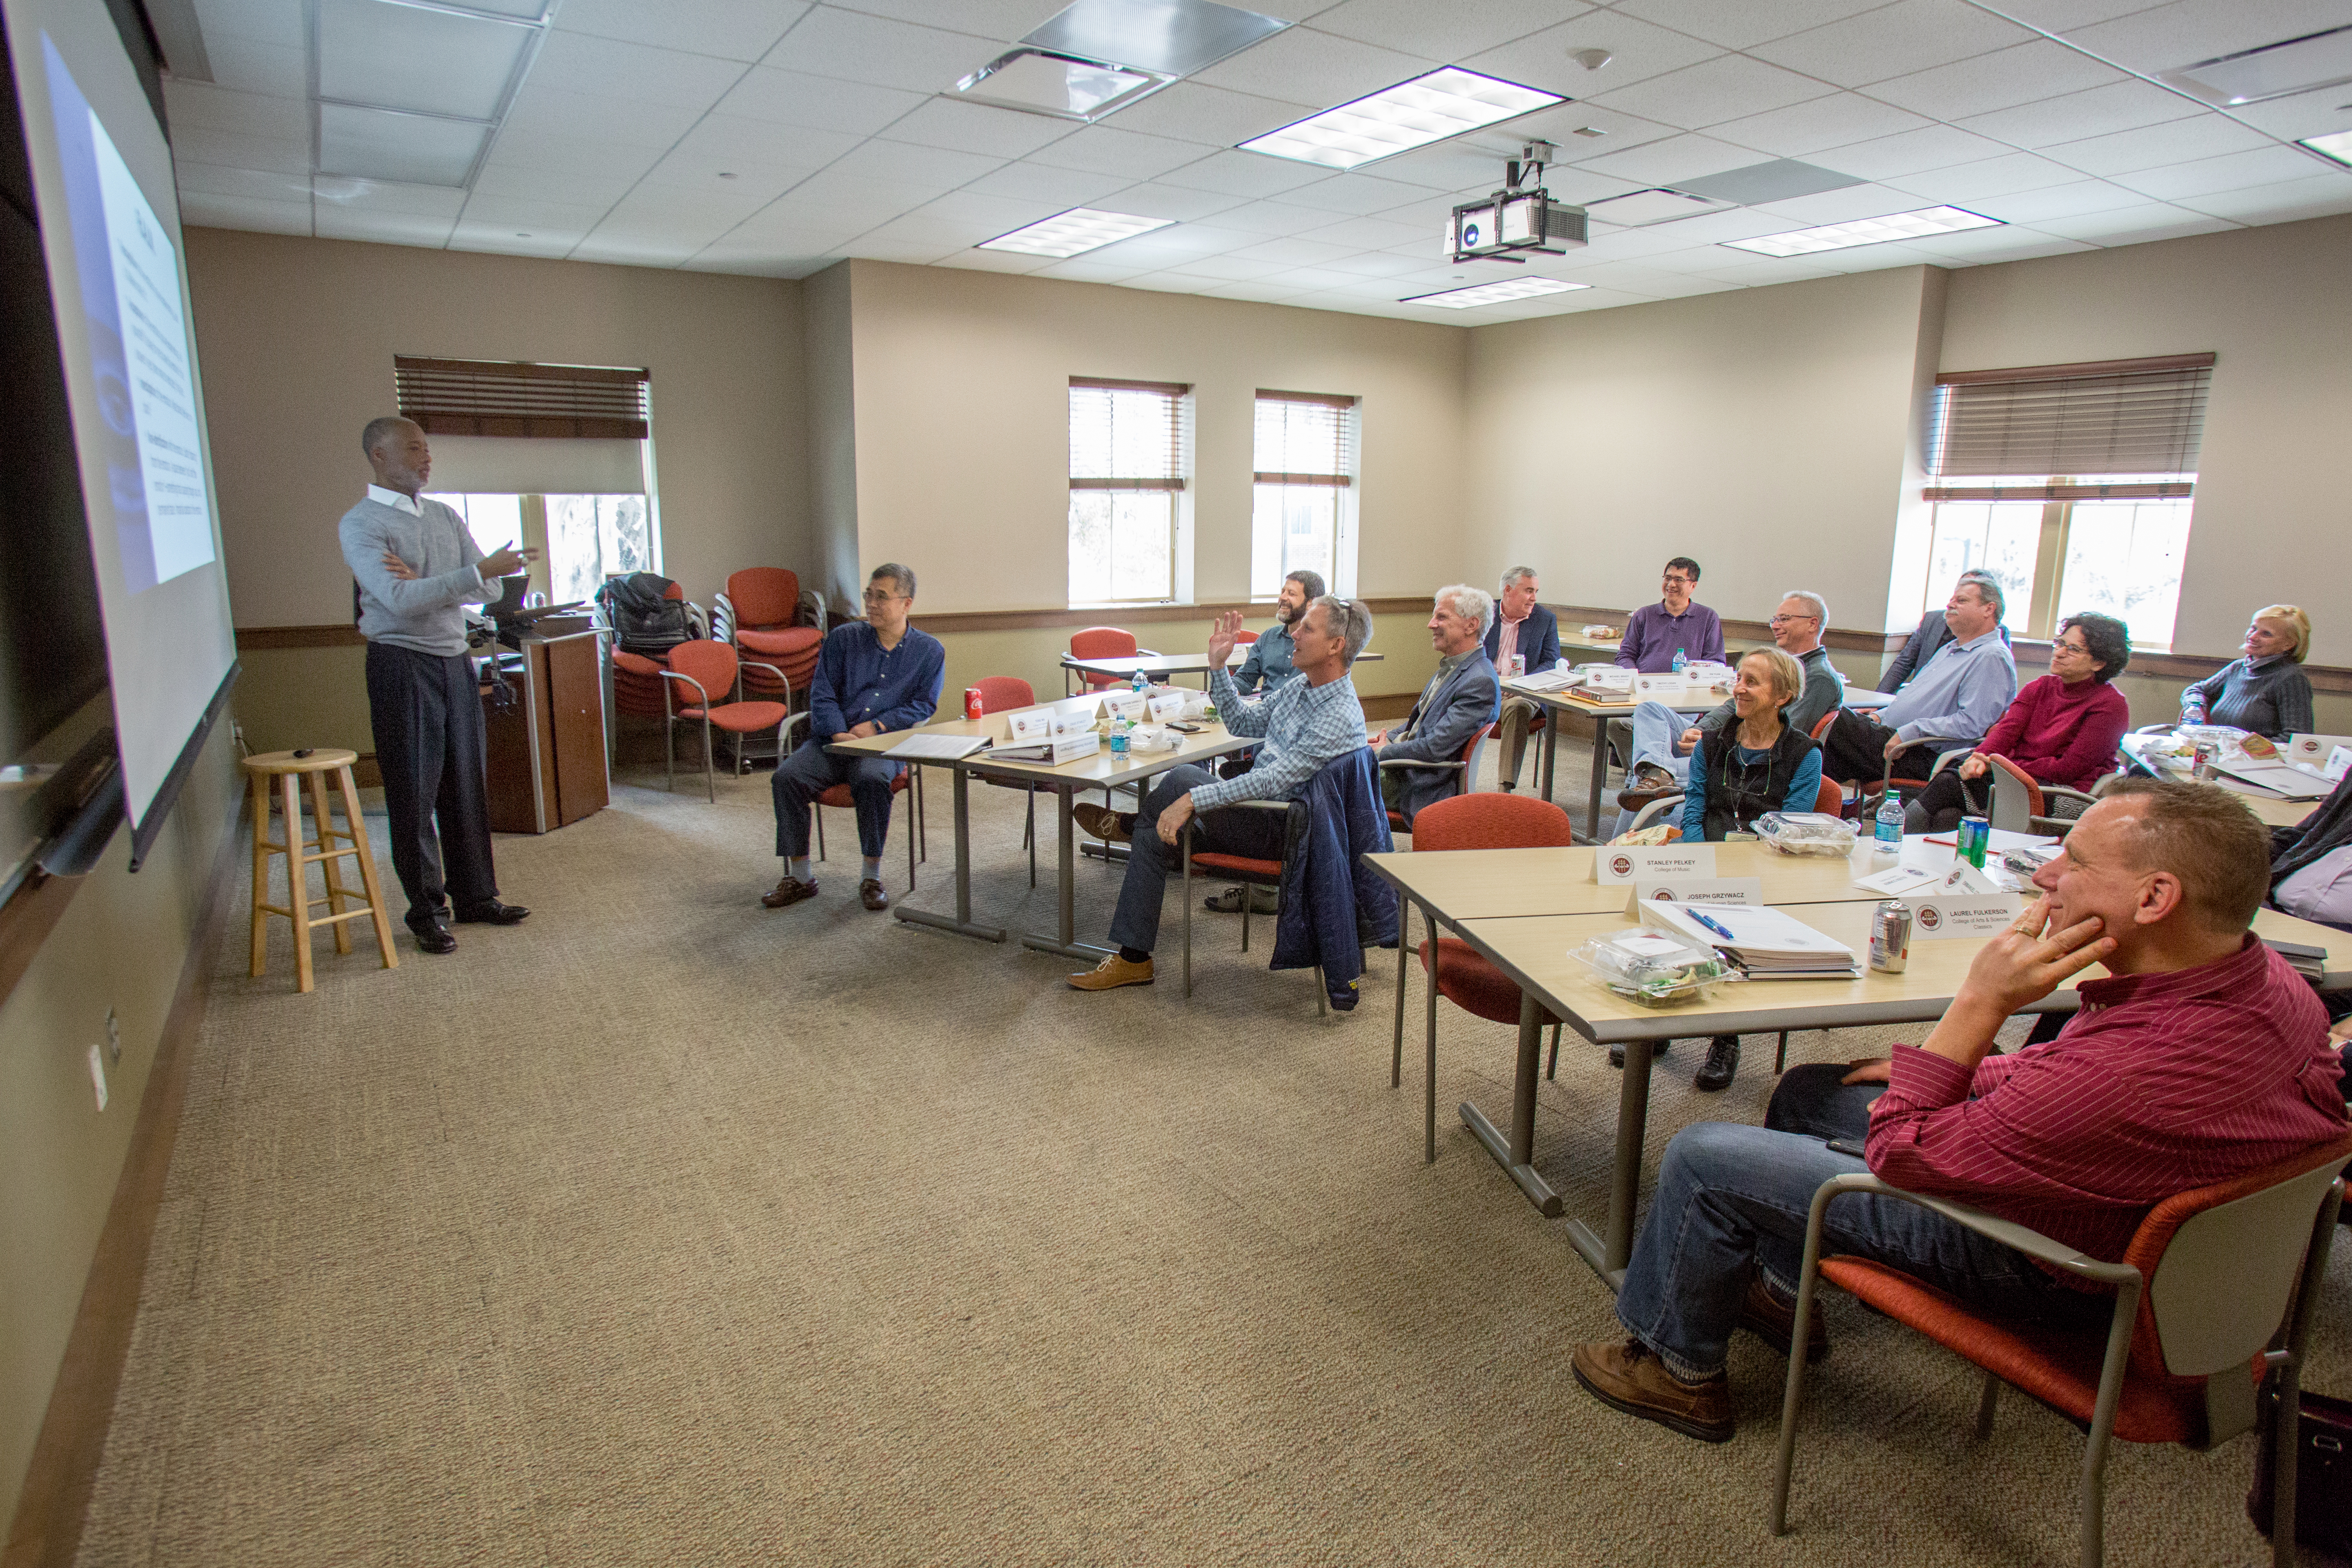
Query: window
{"x": 585, "y": 538}
{"x": 1131, "y": 515}
{"x": 1303, "y": 509}
{"x": 2073, "y": 484}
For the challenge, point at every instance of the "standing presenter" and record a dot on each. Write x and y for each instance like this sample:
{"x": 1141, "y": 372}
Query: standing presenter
{"x": 417, "y": 568}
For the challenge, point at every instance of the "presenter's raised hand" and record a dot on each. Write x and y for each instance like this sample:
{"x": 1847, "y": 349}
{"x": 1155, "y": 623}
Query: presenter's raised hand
{"x": 1222, "y": 638}
{"x": 508, "y": 560}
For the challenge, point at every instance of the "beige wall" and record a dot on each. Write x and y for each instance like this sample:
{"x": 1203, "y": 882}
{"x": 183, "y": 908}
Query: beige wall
{"x": 2273, "y": 304}
{"x": 963, "y": 424}
{"x": 121, "y": 945}
{"x": 1763, "y": 432}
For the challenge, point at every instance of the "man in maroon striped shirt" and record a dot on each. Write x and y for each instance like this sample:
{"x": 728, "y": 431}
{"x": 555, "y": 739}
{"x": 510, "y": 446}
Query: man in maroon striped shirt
{"x": 2200, "y": 1056}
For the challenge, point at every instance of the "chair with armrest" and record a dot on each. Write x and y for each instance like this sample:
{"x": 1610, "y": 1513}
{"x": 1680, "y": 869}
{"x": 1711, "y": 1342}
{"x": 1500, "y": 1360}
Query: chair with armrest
{"x": 2214, "y": 1292}
{"x": 1864, "y": 802}
{"x": 998, "y": 693}
{"x": 768, "y": 618}
{"x": 702, "y": 681}
{"x": 838, "y": 797}
{"x": 1465, "y": 772}
{"x": 1457, "y": 970}
{"x": 1105, "y": 642}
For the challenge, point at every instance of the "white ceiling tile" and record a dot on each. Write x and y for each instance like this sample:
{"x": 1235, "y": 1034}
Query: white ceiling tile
{"x": 996, "y": 262}
{"x": 1243, "y": 175}
{"x": 977, "y": 128}
{"x": 730, "y": 29}
{"x": 496, "y": 241}
{"x": 2065, "y": 15}
{"x": 1373, "y": 264}
{"x": 1840, "y": 206}
{"x": 1836, "y": 121}
{"x": 1583, "y": 187}
{"x": 1726, "y": 87}
{"x": 261, "y": 21}
{"x": 1760, "y": 271}
{"x": 1106, "y": 150}
{"x": 754, "y": 262}
{"x": 1290, "y": 252}
{"x": 427, "y": 59}
{"x": 1356, "y": 195}
{"x": 2118, "y": 106}
{"x": 1638, "y": 50}
{"x": 2166, "y": 38}
{"x": 706, "y": 214}
{"x": 505, "y": 214}
{"x": 575, "y": 62}
{"x": 783, "y": 228}
{"x": 2315, "y": 197}
{"x": 385, "y": 196}
{"x": 2305, "y": 114}
{"x": 2174, "y": 142}
{"x": 522, "y": 158}
{"x": 1086, "y": 268}
{"x": 2076, "y": 200}
{"x": 1058, "y": 188}
{"x": 1213, "y": 116}
{"x": 196, "y": 105}
{"x": 2209, "y": 176}
{"x": 1676, "y": 158}
{"x": 825, "y": 199}
{"x": 2001, "y": 80}
{"x": 2133, "y": 225}
{"x": 1894, "y": 40}
{"x": 1451, "y": 165}
{"x": 1000, "y": 19}
{"x": 1443, "y": 32}
{"x": 627, "y": 248}
{"x": 1381, "y": 233}
{"x": 1749, "y": 22}
{"x": 263, "y": 216}
{"x": 1964, "y": 183}
{"x": 748, "y": 146}
{"x": 1560, "y": 123}
{"x": 1158, "y": 282}
{"x": 678, "y": 176}
{"x": 1269, "y": 292}
{"x": 1978, "y": 247}
{"x": 213, "y": 180}
{"x": 940, "y": 234}
{"x": 381, "y": 227}
{"x": 967, "y": 217}
{"x": 280, "y": 70}
{"x": 905, "y": 163}
{"x": 1321, "y": 278}
{"x": 823, "y": 103}
{"x": 543, "y": 111}
{"x": 875, "y": 49}
{"x": 1177, "y": 246}
{"x": 1320, "y": 69}
{"x": 1912, "y": 153}
{"x": 228, "y": 150}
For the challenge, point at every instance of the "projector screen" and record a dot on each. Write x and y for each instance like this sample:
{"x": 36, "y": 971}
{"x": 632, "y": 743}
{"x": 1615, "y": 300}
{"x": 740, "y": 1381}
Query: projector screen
{"x": 110, "y": 232}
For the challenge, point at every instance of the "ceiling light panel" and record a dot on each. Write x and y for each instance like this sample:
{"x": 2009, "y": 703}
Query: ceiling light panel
{"x": 383, "y": 144}
{"x": 2337, "y": 146}
{"x": 1399, "y": 118}
{"x": 417, "y": 57}
{"x": 1501, "y": 293}
{"x": 2275, "y": 70}
{"x": 1040, "y": 83}
{"x": 1075, "y": 232}
{"x": 1866, "y": 231}
{"x": 1170, "y": 38}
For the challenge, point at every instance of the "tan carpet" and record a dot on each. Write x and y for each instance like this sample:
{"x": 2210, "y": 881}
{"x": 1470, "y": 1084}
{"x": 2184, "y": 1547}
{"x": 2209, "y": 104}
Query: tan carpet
{"x": 665, "y": 1228}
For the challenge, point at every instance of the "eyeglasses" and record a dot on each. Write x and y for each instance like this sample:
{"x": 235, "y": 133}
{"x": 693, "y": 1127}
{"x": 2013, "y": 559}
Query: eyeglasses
{"x": 2070, "y": 647}
{"x": 874, "y": 596}
{"x": 1782, "y": 620}
{"x": 1676, "y": 580}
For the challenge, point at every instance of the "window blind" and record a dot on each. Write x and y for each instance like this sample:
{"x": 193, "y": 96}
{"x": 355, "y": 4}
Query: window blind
{"x": 2143, "y": 418}
{"x": 1126, "y": 434}
{"x": 1304, "y": 438}
{"x": 513, "y": 398}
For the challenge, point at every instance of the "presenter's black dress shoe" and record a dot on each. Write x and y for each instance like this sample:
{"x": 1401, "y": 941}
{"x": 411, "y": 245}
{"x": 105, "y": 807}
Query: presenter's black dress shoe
{"x": 434, "y": 938}
{"x": 493, "y": 913}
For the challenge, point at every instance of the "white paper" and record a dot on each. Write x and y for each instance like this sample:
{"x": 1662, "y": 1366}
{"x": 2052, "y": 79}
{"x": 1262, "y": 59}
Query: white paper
{"x": 1126, "y": 704}
{"x": 1698, "y": 891}
{"x": 1030, "y": 724}
{"x": 1622, "y": 863}
{"x": 1666, "y": 687}
{"x": 1893, "y": 884}
{"x": 2287, "y": 782}
{"x": 2339, "y": 763}
{"x": 2313, "y": 750}
{"x": 1943, "y": 919}
{"x": 945, "y": 748}
{"x": 1964, "y": 879}
{"x": 1166, "y": 706}
{"x": 1762, "y": 930}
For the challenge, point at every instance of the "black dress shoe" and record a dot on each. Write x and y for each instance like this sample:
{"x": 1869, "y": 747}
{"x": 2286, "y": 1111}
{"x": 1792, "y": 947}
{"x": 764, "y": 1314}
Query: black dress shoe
{"x": 434, "y": 938}
{"x": 1722, "y": 1062}
{"x": 493, "y": 913}
{"x": 1617, "y": 1053}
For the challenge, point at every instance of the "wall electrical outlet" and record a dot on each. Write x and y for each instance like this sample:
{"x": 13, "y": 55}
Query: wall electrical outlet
{"x": 97, "y": 1072}
{"x": 114, "y": 1039}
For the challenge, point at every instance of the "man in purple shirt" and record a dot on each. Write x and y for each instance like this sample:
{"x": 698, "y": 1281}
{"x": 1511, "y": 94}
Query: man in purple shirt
{"x": 1657, "y": 632}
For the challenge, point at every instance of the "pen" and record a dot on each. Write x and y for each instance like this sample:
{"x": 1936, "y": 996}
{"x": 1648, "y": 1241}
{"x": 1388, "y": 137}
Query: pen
{"x": 1717, "y": 927}
{"x": 1947, "y": 843}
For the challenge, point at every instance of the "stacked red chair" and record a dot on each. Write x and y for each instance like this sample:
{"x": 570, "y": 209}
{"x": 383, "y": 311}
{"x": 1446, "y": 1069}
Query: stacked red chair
{"x": 762, "y": 602}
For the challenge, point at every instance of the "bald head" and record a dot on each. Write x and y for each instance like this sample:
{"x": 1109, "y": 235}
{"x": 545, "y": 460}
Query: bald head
{"x": 396, "y": 450}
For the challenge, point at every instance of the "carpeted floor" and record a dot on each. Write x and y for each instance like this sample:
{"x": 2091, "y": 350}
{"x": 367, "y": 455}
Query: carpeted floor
{"x": 665, "y": 1228}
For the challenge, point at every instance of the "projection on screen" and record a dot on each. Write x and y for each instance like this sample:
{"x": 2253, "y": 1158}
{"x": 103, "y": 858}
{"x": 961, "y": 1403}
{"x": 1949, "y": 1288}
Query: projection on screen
{"x": 137, "y": 349}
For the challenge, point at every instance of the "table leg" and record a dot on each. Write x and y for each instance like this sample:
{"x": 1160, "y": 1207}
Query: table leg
{"x": 1550, "y": 750}
{"x": 1065, "y": 861}
{"x": 1625, "y": 1172}
{"x": 1404, "y": 957}
{"x": 1600, "y": 772}
{"x": 1513, "y": 1154}
{"x": 961, "y": 923}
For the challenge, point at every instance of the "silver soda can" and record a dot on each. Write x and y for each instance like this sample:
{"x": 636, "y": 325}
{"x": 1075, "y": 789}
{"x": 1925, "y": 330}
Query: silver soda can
{"x": 1890, "y": 937}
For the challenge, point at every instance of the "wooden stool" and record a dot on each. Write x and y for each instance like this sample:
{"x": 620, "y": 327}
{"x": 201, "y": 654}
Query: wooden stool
{"x": 286, "y": 767}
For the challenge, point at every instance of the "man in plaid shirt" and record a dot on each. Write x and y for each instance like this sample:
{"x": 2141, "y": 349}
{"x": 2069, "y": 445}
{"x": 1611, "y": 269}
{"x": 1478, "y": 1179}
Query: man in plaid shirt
{"x": 1309, "y": 720}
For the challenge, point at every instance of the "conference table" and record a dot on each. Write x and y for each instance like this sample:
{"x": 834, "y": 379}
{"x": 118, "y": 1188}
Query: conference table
{"x": 1526, "y": 910}
{"x": 1693, "y": 699}
{"x": 1157, "y": 668}
{"x": 1103, "y": 770}
{"x": 2268, "y": 809}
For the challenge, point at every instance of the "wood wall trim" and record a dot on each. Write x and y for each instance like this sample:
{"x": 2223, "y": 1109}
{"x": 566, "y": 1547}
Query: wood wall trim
{"x": 340, "y": 635}
{"x": 949, "y": 621}
{"x": 2332, "y": 679}
{"x": 47, "y": 1530}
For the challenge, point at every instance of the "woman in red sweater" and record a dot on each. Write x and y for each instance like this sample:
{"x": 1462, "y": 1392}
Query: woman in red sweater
{"x": 2062, "y": 730}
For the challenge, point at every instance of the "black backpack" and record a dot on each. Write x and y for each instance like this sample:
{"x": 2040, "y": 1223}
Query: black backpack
{"x": 642, "y": 619}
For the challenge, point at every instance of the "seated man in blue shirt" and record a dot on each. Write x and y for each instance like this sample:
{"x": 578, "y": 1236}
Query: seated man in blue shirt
{"x": 1968, "y": 683}
{"x": 1311, "y": 719}
{"x": 1270, "y": 660}
{"x": 874, "y": 675}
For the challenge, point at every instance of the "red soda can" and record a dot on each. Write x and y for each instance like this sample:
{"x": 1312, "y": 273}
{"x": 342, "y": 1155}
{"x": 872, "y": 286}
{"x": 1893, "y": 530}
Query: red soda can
{"x": 971, "y": 704}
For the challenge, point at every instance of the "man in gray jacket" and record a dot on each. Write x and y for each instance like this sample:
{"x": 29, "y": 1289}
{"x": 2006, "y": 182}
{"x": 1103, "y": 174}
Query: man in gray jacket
{"x": 1462, "y": 699}
{"x": 417, "y": 568}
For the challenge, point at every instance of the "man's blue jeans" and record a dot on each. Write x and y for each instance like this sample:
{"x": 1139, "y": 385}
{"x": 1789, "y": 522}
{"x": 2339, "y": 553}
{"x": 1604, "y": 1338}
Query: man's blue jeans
{"x": 1255, "y": 834}
{"x": 1656, "y": 728}
{"x": 1731, "y": 1202}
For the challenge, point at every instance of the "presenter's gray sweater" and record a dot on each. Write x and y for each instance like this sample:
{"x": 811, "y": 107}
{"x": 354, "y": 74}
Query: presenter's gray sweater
{"x": 427, "y": 614}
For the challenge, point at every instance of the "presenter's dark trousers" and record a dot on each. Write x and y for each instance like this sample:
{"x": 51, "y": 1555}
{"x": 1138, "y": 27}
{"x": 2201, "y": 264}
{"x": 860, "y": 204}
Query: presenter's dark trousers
{"x": 810, "y": 771}
{"x": 427, "y": 712}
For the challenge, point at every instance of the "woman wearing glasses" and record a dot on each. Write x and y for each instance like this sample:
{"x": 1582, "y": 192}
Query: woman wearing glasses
{"x": 2063, "y": 729}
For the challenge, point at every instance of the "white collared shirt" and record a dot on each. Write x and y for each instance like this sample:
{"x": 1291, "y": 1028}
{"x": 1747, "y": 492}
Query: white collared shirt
{"x": 395, "y": 499}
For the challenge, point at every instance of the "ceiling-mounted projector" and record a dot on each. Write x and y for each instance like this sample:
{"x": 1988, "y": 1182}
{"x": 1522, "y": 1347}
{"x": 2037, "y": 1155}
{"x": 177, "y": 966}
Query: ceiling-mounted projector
{"x": 1519, "y": 217}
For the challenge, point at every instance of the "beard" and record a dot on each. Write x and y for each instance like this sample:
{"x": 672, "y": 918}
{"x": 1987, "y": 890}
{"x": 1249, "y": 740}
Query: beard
{"x": 1287, "y": 616}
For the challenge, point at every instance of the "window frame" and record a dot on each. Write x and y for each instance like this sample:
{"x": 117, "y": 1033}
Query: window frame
{"x": 1176, "y": 487}
{"x": 1346, "y": 481}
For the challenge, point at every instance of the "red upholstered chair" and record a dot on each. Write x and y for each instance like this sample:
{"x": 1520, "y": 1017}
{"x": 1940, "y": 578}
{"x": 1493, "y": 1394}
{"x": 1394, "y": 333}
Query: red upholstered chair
{"x": 1459, "y": 972}
{"x": 756, "y": 614}
{"x": 2215, "y": 1289}
{"x": 701, "y": 682}
{"x": 839, "y": 797}
{"x": 1243, "y": 639}
{"x": 999, "y": 693}
{"x": 638, "y": 688}
{"x": 1103, "y": 642}
{"x": 1466, "y": 774}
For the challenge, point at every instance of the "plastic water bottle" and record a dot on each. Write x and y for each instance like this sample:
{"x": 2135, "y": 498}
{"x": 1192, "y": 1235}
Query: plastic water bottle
{"x": 1679, "y": 662}
{"x": 1886, "y": 837}
{"x": 1137, "y": 684}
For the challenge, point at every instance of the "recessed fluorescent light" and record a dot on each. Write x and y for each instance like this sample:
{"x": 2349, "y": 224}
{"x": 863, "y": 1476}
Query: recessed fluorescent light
{"x": 2336, "y": 146}
{"x": 1866, "y": 231}
{"x": 1068, "y": 89}
{"x": 1069, "y": 233}
{"x": 1397, "y": 119}
{"x": 1479, "y": 294}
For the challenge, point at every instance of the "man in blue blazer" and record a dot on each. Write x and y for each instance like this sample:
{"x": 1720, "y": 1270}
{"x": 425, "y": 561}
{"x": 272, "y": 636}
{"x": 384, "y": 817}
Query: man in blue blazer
{"x": 1460, "y": 699}
{"x": 1525, "y": 628}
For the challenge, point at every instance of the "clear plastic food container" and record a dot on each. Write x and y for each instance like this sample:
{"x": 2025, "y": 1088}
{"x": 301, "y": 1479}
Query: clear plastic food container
{"x": 1806, "y": 833}
{"x": 1653, "y": 967}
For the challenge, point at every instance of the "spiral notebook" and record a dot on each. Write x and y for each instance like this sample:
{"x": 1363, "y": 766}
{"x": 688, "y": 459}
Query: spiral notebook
{"x": 1764, "y": 941}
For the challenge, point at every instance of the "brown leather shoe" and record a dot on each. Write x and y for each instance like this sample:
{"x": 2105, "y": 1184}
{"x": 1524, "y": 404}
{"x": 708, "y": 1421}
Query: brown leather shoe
{"x": 1774, "y": 1322}
{"x": 1628, "y": 1375}
{"x": 790, "y": 890}
{"x": 1111, "y": 973}
{"x": 1110, "y": 826}
{"x": 870, "y": 894}
{"x": 1649, "y": 782}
